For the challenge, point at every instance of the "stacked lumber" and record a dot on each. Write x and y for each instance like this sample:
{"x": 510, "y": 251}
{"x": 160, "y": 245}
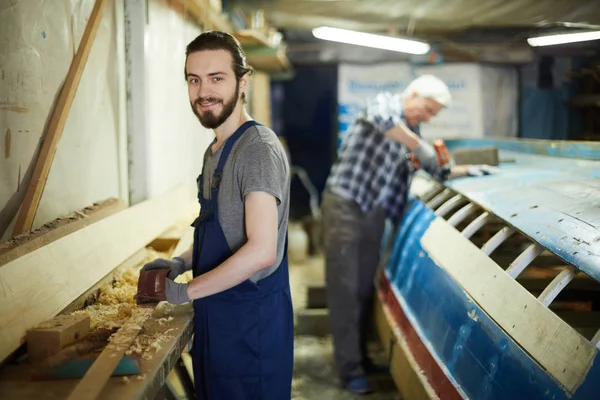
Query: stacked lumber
{"x": 40, "y": 284}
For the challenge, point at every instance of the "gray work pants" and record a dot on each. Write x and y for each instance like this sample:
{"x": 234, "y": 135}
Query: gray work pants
{"x": 352, "y": 241}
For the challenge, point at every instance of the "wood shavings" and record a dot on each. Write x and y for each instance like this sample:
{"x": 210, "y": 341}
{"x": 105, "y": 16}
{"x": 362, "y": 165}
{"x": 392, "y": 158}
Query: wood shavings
{"x": 115, "y": 302}
{"x": 165, "y": 308}
{"x": 125, "y": 380}
{"x": 82, "y": 215}
{"x": 185, "y": 277}
{"x": 115, "y": 306}
{"x": 141, "y": 377}
{"x": 155, "y": 346}
{"x": 163, "y": 320}
{"x": 103, "y": 316}
{"x": 148, "y": 345}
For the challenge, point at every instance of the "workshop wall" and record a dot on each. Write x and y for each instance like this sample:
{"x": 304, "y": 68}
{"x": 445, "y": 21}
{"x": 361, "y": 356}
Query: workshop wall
{"x": 40, "y": 39}
{"x": 176, "y": 140}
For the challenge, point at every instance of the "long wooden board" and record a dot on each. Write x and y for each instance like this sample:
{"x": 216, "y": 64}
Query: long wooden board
{"x": 39, "y": 285}
{"x": 64, "y": 228}
{"x": 186, "y": 241}
{"x": 95, "y": 378}
{"x": 557, "y": 347}
{"x": 16, "y": 382}
{"x": 57, "y": 123}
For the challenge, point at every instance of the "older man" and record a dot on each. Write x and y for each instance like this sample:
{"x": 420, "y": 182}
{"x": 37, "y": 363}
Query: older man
{"x": 369, "y": 183}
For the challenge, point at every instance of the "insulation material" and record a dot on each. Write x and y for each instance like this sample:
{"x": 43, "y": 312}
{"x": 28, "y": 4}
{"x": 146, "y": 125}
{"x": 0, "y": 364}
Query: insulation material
{"x": 39, "y": 41}
{"x": 176, "y": 140}
{"x": 484, "y": 99}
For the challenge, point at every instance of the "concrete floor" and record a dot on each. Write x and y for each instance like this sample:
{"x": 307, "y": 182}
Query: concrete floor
{"x": 315, "y": 377}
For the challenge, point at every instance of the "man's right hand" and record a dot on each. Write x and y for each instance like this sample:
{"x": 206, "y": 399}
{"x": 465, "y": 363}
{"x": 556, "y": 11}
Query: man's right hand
{"x": 426, "y": 155}
{"x": 176, "y": 266}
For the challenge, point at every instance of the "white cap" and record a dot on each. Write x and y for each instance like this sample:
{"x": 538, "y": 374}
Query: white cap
{"x": 430, "y": 87}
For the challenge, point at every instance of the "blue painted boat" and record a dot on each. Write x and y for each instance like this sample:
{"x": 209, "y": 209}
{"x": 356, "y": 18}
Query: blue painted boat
{"x": 490, "y": 285}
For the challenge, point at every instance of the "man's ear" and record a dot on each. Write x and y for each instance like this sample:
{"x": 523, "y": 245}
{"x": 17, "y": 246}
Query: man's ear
{"x": 244, "y": 80}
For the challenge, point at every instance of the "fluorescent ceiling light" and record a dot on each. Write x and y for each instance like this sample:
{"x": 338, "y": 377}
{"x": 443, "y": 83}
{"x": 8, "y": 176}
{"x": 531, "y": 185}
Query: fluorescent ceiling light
{"x": 564, "y": 38}
{"x": 370, "y": 40}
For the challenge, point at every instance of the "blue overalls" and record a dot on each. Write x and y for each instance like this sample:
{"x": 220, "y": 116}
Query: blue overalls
{"x": 244, "y": 337}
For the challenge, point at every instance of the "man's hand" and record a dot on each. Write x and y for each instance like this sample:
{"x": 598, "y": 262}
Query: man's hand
{"x": 426, "y": 155}
{"x": 176, "y": 293}
{"x": 481, "y": 170}
{"x": 176, "y": 266}
{"x": 460, "y": 171}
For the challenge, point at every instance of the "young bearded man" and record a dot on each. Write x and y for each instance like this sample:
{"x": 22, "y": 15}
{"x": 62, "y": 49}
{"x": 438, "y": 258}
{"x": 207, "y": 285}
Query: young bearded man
{"x": 243, "y": 317}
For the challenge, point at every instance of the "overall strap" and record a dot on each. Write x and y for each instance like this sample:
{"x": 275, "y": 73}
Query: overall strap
{"x": 227, "y": 149}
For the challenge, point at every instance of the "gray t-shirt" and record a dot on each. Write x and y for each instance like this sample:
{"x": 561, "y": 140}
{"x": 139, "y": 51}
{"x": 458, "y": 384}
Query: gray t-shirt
{"x": 257, "y": 163}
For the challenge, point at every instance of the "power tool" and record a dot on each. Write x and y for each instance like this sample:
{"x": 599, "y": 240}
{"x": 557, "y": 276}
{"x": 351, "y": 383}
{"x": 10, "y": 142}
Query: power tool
{"x": 443, "y": 155}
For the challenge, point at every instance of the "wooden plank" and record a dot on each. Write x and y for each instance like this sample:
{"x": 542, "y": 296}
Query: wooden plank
{"x": 95, "y": 378}
{"x": 557, "y": 347}
{"x": 61, "y": 227}
{"x": 268, "y": 59}
{"x": 57, "y": 123}
{"x": 16, "y": 382}
{"x": 207, "y": 17}
{"x": 251, "y": 38}
{"x": 52, "y": 336}
{"x": 156, "y": 369}
{"x": 167, "y": 240}
{"x": 37, "y": 286}
{"x": 186, "y": 241}
{"x": 406, "y": 372}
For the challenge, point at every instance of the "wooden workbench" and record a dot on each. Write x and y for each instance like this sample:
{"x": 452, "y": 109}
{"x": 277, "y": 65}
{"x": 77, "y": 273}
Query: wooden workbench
{"x": 16, "y": 382}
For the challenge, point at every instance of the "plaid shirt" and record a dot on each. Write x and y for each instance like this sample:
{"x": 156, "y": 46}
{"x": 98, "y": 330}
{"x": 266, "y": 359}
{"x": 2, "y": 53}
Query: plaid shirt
{"x": 373, "y": 170}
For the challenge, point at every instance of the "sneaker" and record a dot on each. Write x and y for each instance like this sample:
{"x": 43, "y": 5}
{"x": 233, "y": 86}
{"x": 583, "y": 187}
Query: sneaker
{"x": 358, "y": 385}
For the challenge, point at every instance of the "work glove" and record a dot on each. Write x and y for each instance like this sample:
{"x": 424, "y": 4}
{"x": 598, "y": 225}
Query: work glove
{"x": 175, "y": 265}
{"x": 426, "y": 155}
{"x": 481, "y": 170}
{"x": 176, "y": 293}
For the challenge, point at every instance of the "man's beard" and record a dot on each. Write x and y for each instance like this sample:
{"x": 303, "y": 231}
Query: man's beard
{"x": 210, "y": 120}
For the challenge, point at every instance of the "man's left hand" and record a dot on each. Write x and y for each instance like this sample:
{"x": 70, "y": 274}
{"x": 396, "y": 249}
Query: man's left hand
{"x": 481, "y": 170}
{"x": 176, "y": 293}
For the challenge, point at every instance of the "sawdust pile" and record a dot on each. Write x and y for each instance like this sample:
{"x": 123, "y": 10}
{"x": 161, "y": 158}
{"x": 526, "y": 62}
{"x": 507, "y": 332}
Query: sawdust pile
{"x": 115, "y": 305}
{"x": 149, "y": 344}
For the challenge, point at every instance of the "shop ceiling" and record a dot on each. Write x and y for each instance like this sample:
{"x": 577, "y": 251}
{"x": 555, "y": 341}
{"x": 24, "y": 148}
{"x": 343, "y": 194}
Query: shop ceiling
{"x": 462, "y": 28}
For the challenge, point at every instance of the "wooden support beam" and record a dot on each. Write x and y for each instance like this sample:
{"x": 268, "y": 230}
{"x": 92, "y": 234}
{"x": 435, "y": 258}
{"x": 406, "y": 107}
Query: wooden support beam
{"x": 37, "y": 286}
{"x": 57, "y": 123}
